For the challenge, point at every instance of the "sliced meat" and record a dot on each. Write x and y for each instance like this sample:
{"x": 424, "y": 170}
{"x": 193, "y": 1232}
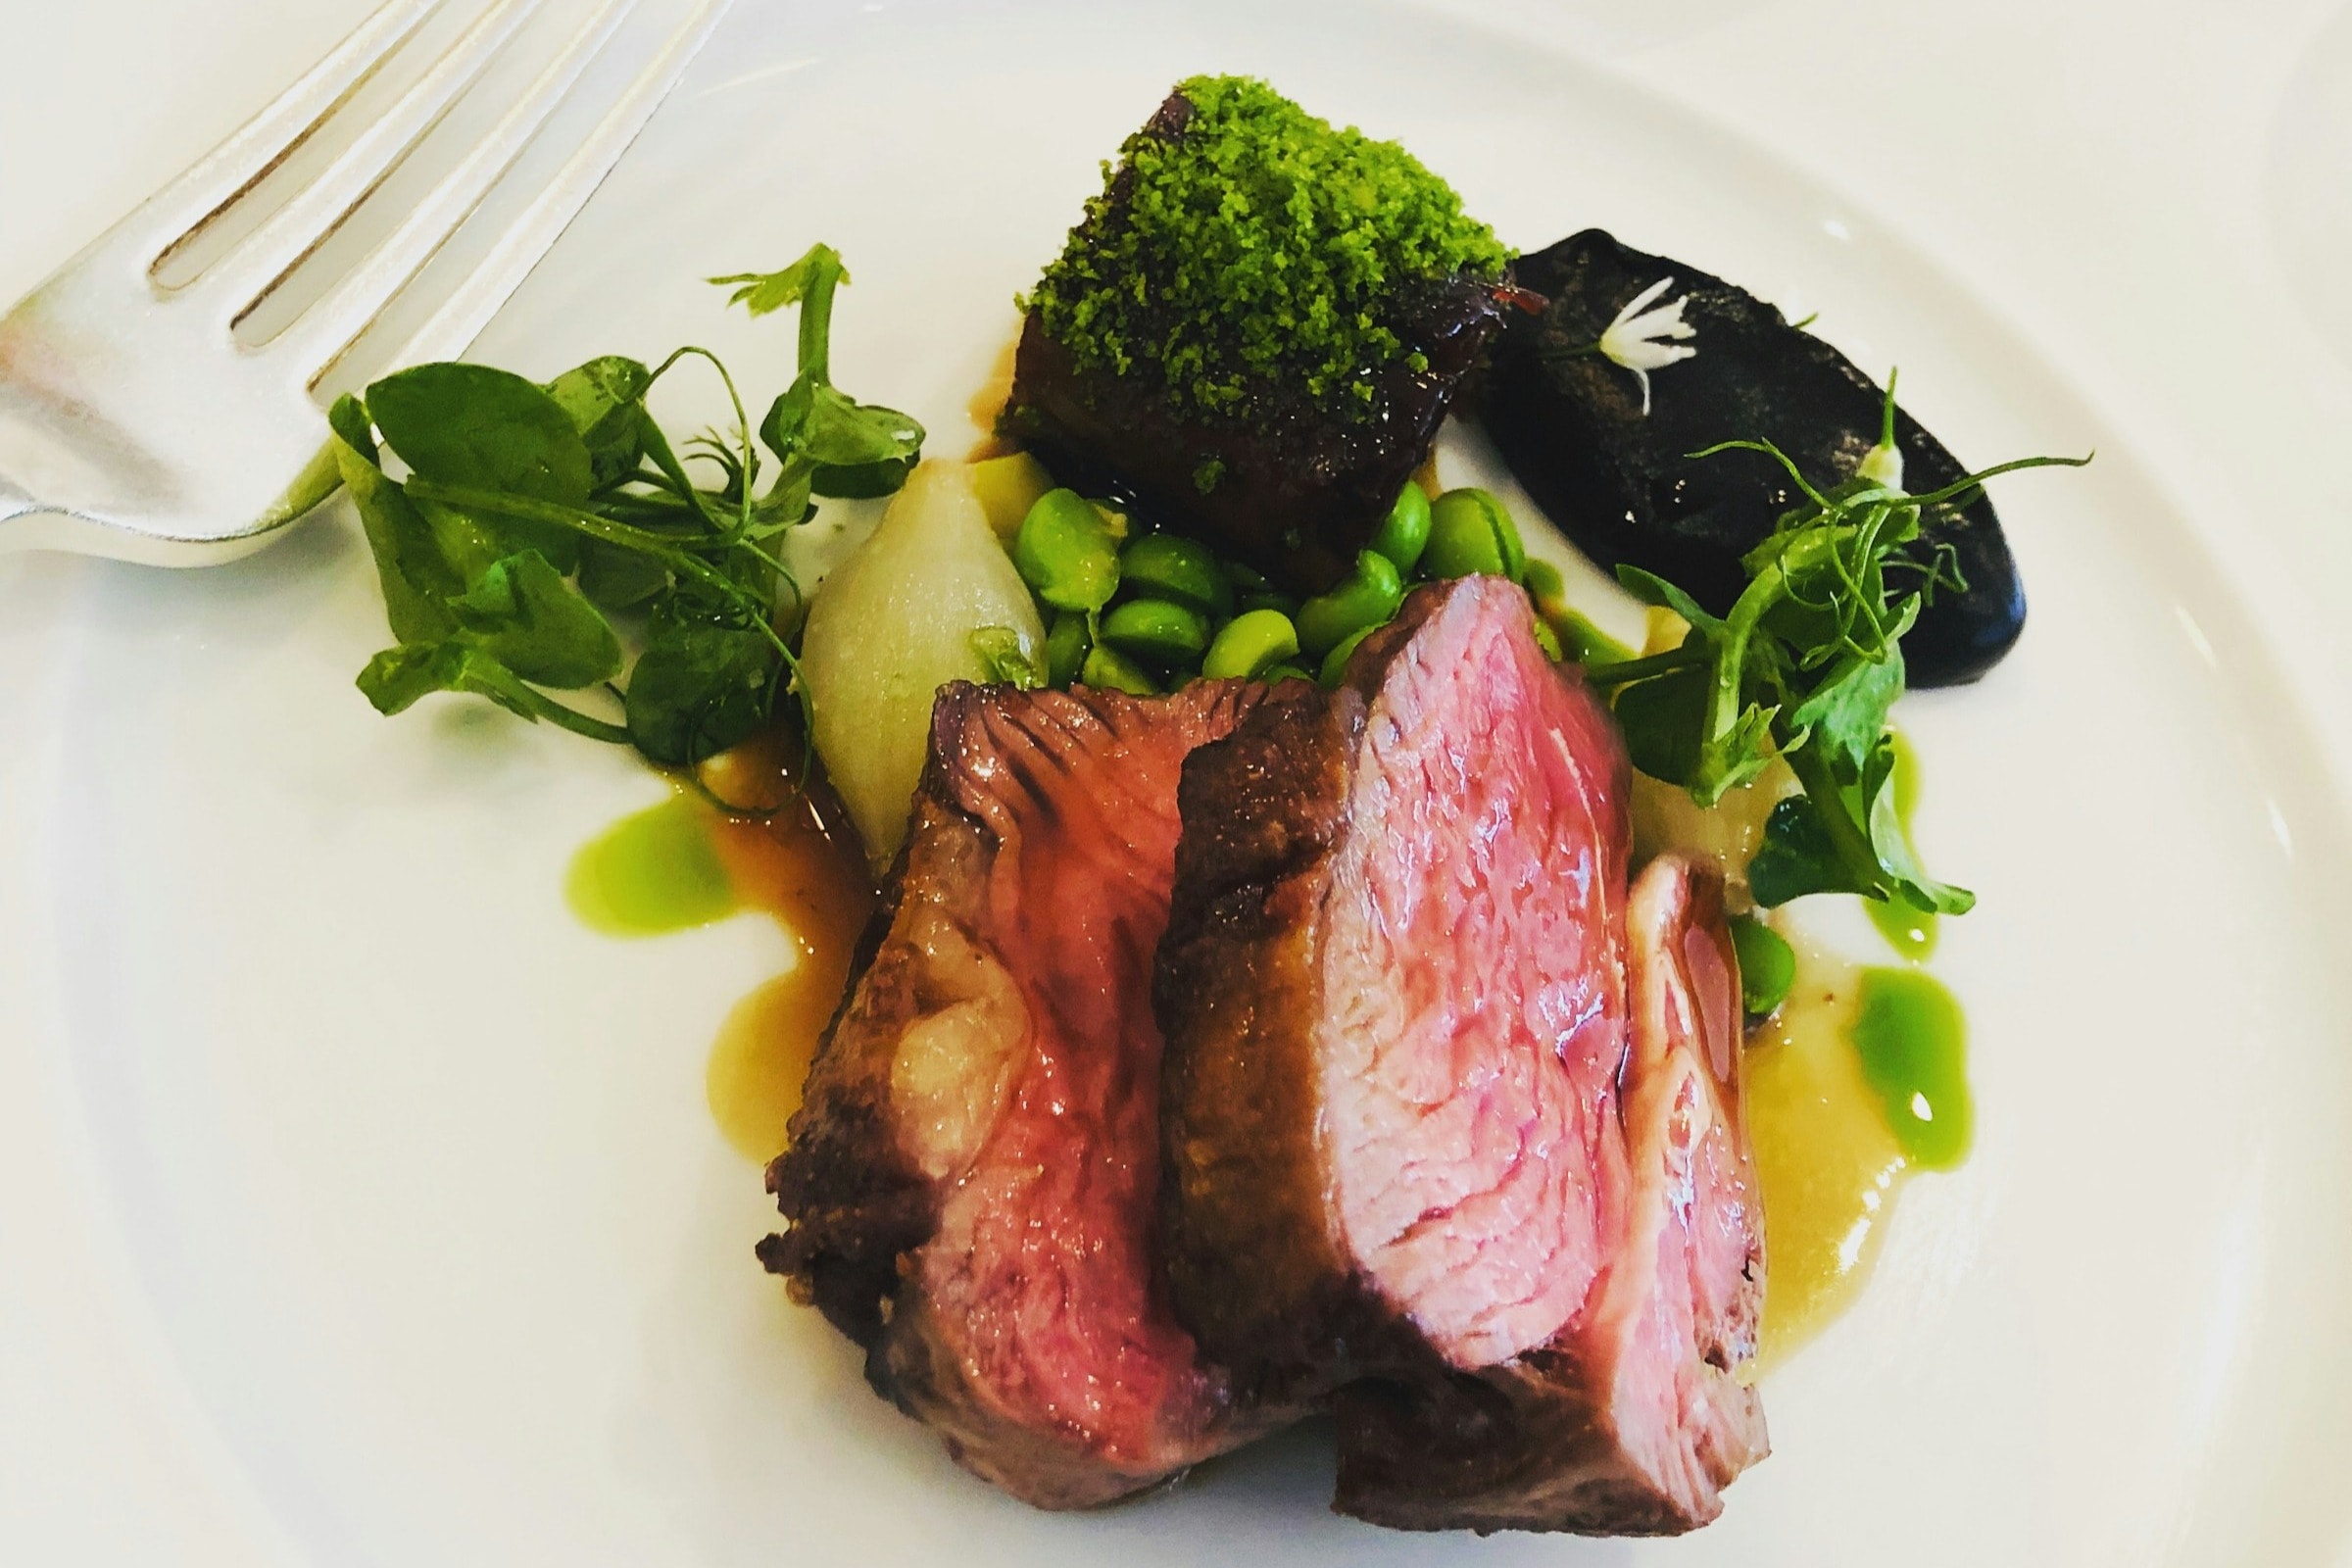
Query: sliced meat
{"x": 1392, "y": 987}
{"x": 1407, "y": 1139}
{"x": 973, "y": 1177}
{"x": 1633, "y": 1418}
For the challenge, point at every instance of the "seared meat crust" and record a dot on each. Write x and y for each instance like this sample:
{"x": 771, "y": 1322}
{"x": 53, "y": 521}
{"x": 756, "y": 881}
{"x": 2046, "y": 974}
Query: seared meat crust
{"x": 971, "y": 1180}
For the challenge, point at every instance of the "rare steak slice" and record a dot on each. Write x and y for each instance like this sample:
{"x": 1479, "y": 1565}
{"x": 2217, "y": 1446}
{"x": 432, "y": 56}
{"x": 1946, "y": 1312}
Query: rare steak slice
{"x": 972, "y": 1176}
{"x": 1394, "y": 989}
{"x": 1634, "y": 1417}
{"x": 1413, "y": 1129}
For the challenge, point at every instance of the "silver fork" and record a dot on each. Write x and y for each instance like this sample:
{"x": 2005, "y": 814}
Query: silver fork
{"x": 133, "y": 424}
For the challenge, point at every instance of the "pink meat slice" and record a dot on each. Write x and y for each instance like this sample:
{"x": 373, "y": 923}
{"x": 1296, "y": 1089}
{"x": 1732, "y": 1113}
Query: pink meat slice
{"x": 973, "y": 1177}
{"x": 1679, "y": 1315}
{"x": 1476, "y": 1001}
{"x": 1439, "y": 1141}
{"x": 1636, "y": 1414}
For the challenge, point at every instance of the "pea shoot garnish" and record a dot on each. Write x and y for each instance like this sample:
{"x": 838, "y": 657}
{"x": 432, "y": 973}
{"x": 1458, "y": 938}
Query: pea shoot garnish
{"x": 1804, "y": 668}
{"x": 530, "y": 513}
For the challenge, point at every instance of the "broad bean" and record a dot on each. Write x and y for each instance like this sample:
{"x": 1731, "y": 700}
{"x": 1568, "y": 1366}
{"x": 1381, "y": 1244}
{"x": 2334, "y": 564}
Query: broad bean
{"x": 1470, "y": 532}
{"x": 1251, "y": 644}
{"x": 1369, "y": 597}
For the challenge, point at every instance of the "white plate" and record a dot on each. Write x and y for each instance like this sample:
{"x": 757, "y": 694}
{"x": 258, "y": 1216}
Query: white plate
{"x": 407, "y": 1178}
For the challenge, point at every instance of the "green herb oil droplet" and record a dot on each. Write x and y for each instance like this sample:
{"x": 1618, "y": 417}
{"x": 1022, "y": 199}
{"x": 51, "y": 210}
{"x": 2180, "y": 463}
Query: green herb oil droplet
{"x": 1913, "y": 1042}
{"x": 1910, "y": 932}
{"x": 655, "y": 871}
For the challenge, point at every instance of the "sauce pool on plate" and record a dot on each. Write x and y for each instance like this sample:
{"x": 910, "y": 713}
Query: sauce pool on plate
{"x": 1859, "y": 1081}
{"x": 743, "y": 834}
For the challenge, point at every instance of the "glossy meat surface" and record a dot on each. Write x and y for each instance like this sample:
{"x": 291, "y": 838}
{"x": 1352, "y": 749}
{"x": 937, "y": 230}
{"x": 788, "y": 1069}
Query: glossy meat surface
{"x": 1438, "y": 1139}
{"x": 1474, "y": 1011}
{"x": 1633, "y": 1418}
{"x": 972, "y": 1178}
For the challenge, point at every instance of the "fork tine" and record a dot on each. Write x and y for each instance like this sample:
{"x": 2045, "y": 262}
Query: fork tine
{"x": 468, "y": 310}
{"x": 173, "y": 214}
{"x": 261, "y": 261}
{"x": 328, "y": 327}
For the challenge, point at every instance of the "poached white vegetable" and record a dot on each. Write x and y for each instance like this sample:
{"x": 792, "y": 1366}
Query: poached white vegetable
{"x": 891, "y": 624}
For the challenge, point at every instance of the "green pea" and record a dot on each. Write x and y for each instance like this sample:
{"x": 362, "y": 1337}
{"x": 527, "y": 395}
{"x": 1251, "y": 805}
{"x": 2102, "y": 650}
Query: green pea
{"x": 1066, "y": 552}
{"x": 1767, "y": 965}
{"x": 1106, "y": 667}
{"x": 1282, "y": 673}
{"x": 1335, "y": 662}
{"x": 1545, "y": 583}
{"x": 1368, "y": 598}
{"x": 1404, "y": 532}
{"x": 1251, "y": 642}
{"x": 1470, "y": 532}
{"x": 1066, "y": 646}
{"x": 1158, "y": 629}
{"x": 1167, "y": 565}
{"x": 1248, "y": 579}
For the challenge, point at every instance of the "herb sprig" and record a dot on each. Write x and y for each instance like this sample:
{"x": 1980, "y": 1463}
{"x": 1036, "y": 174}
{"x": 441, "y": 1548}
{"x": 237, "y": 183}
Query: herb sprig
{"x": 532, "y": 513}
{"x": 1804, "y": 668}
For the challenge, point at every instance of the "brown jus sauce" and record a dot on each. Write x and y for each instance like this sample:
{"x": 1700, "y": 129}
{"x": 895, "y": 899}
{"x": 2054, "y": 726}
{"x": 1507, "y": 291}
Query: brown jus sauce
{"x": 791, "y": 853}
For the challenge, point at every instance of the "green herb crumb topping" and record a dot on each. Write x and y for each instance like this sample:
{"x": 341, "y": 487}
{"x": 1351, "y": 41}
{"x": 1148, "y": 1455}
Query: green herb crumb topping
{"x": 1258, "y": 250}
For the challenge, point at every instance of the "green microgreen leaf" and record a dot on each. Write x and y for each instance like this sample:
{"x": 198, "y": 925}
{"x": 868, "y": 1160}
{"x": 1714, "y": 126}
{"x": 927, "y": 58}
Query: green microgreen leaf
{"x": 348, "y": 420}
{"x": 1804, "y": 668}
{"x": 1652, "y": 589}
{"x": 529, "y": 510}
{"x": 764, "y": 292}
{"x": 813, "y": 419}
{"x": 398, "y": 676}
{"x": 1846, "y": 714}
{"x": 615, "y": 578}
{"x": 1799, "y": 855}
{"x": 418, "y": 578}
{"x": 863, "y": 481}
{"x": 1890, "y": 842}
{"x": 703, "y": 682}
{"x": 604, "y": 400}
{"x": 472, "y": 425}
{"x": 524, "y": 613}
{"x": 1663, "y": 721}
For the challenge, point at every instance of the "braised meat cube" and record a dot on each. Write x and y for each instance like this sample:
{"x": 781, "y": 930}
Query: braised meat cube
{"x": 1257, "y": 330}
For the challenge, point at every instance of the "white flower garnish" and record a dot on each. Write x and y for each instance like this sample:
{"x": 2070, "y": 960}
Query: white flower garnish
{"x": 1637, "y": 338}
